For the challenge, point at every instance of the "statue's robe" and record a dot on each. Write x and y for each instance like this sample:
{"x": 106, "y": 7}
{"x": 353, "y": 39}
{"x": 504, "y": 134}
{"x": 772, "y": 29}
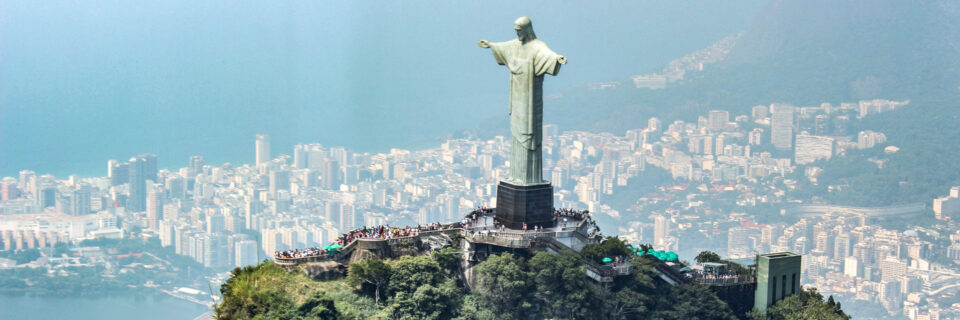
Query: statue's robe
{"x": 528, "y": 63}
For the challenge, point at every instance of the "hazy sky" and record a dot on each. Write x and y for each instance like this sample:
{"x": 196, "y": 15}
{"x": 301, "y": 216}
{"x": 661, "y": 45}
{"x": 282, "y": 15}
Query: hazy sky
{"x": 82, "y": 82}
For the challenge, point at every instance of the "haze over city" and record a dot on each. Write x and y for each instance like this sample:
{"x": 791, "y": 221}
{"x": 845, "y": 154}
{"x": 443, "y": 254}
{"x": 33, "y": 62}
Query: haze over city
{"x": 157, "y": 156}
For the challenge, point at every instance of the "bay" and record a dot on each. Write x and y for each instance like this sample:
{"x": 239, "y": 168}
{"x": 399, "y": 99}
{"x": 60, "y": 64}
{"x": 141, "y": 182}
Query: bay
{"x": 135, "y": 306}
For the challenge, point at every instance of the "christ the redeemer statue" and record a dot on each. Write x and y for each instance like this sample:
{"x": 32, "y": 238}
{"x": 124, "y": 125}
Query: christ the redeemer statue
{"x": 528, "y": 60}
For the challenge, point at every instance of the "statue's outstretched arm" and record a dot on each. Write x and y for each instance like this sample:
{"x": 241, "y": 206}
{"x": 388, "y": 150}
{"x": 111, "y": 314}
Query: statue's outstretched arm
{"x": 484, "y": 44}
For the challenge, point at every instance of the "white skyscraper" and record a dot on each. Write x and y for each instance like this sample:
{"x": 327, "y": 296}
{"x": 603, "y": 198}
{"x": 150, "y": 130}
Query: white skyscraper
{"x": 245, "y": 253}
{"x": 718, "y": 120}
{"x": 263, "y": 149}
{"x": 851, "y": 266}
{"x": 661, "y": 229}
{"x": 781, "y": 128}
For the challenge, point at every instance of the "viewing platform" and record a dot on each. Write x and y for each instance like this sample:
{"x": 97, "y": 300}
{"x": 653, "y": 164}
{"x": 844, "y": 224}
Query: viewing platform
{"x": 571, "y": 229}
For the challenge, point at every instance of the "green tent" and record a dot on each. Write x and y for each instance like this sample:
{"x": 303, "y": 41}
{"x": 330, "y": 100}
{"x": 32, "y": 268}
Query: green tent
{"x": 607, "y": 260}
{"x": 671, "y": 256}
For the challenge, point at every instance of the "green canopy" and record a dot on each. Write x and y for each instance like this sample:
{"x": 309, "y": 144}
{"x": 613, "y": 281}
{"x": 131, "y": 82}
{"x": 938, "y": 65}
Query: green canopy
{"x": 335, "y": 246}
{"x": 607, "y": 260}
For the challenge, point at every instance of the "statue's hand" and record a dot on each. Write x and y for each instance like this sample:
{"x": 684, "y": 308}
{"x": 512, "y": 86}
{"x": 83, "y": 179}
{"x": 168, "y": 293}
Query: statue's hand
{"x": 483, "y": 43}
{"x": 562, "y": 60}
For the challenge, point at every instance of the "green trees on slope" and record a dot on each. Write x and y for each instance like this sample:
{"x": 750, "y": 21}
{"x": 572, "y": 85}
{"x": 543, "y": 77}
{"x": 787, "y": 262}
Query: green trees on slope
{"x": 504, "y": 286}
{"x": 808, "y": 304}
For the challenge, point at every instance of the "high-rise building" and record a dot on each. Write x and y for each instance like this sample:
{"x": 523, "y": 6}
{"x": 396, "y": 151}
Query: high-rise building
{"x": 47, "y": 197}
{"x": 176, "y": 187}
{"x": 154, "y": 206}
{"x": 137, "y": 201}
{"x": 868, "y": 139}
{"x": 755, "y": 137}
{"x": 165, "y": 232}
{"x": 119, "y": 172}
{"x": 330, "y": 174}
{"x": 214, "y": 251}
{"x": 341, "y": 155}
{"x": 718, "y": 120}
{"x": 216, "y": 223}
{"x": 661, "y": 229}
{"x": 262, "y": 149}
{"x": 851, "y": 267}
{"x": 279, "y": 180}
{"x": 820, "y": 125}
{"x": 949, "y": 206}
{"x": 149, "y": 166}
{"x": 111, "y": 164}
{"x": 840, "y": 125}
{"x": 812, "y": 148}
{"x": 759, "y": 112}
{"x": 891, "y": 269}
{"x": 781, "y": 127}
{"x": 245, "y": 253}
{"x": 550, "y": 131}
{"x": 300, "y": 156}
{"x": 80, "y": 201}
{"x": 778, "y": 276}
{"x": 196, "y": 166}
{"x": 842, "y": 246}
{"x": 654, "y": 125}
{"x": 9, "y": 191}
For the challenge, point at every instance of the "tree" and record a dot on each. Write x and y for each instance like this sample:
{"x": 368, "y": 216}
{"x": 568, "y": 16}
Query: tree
{"x": 693, "y": 301}
{"x": 448, "y": 258}
{"x": 373, "y": 272}
{"x": 707, "y": 256}
{"x": 561, "y": 285}
{"x": 60, "y": 249}
{"x": 625, "y": 303}
{"x": 504, "y": 285}
{"x": 473, "y": 308}
{"x": 808, "y": 304}
{"x": 645, "y": 247}
{"x": 24, "y": 256}
{"x": 609, "y": 248}
{"x": 409, "y": 273}
{"x": 642, "y": 274}
{"x": 318, "y": 307}
{"x": 429, "y": 302}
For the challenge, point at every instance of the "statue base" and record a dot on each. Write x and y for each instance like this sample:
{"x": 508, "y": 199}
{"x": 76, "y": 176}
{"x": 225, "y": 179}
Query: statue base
{"x": 530, "y": 204}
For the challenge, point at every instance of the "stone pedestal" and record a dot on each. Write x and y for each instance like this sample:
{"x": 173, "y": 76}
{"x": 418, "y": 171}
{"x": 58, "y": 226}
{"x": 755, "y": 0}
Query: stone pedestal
{"x": 532, "y": 204}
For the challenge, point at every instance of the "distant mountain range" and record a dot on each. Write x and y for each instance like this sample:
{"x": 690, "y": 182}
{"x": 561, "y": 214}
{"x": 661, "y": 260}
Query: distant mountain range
{"x": 800, "y": 52}
{"x": 806, "y": 53}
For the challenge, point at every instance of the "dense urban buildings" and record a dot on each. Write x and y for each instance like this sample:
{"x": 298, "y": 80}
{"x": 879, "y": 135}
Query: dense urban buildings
{"x": 718, "y": 171}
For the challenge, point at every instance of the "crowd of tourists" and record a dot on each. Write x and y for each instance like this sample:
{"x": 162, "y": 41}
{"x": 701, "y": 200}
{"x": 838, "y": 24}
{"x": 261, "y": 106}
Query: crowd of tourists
{"x": 577, "y": 214}
{"x": 385, "y": 232}
{"x": 475, "y": 217}
{"x": 302, "y": 253}
{"x": 376, "y": 232}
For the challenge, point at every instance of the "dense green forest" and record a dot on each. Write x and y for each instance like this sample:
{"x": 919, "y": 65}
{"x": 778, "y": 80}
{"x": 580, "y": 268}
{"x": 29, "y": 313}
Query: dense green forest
{"x": 506, "y": 286}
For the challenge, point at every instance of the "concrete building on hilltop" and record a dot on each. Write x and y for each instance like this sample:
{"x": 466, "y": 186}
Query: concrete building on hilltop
{"x": 778, "y": 276}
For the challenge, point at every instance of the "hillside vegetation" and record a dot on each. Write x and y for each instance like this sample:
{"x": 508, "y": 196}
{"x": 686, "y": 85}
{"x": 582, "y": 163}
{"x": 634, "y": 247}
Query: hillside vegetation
{"x": 545, "y": 286}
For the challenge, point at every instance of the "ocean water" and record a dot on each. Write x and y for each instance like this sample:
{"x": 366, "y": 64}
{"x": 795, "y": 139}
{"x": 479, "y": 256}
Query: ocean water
{"x": 82, "y": 82}
{"x": 116, "y": 307}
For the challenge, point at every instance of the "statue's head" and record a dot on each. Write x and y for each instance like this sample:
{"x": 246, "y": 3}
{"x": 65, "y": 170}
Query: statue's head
{"x": 524, "y": 29}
